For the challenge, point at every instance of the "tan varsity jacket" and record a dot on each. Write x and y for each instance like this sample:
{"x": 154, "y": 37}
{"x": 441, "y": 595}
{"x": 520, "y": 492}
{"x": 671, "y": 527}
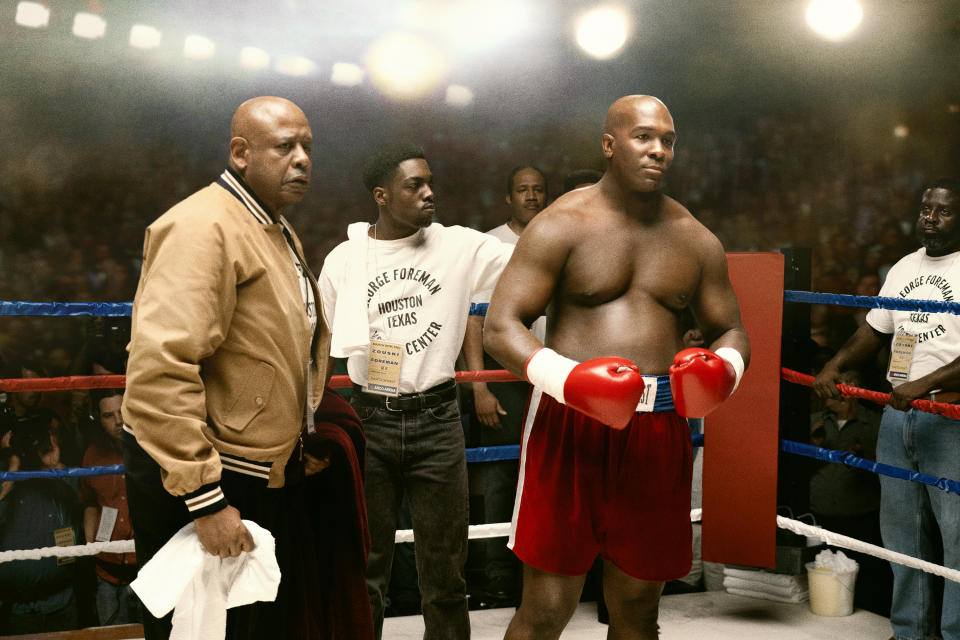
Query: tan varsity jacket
{"x": 220, "y": 345}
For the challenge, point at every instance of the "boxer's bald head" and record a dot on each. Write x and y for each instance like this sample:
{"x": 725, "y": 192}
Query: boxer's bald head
{"x": 270, "y": 144}
{"x": 624, "y": 112}
{"x": 638, "y": 139}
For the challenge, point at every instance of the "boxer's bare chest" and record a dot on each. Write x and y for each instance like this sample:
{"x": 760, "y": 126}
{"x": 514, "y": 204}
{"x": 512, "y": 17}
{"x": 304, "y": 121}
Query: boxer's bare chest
{"x": 637, "y": 264}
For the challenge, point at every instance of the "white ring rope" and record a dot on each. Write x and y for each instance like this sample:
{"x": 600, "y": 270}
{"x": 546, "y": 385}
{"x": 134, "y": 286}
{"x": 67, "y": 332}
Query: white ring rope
{"x": 838, "y": 540}
{"x": 91, "y": 549}
{"x": 502, "y": 529}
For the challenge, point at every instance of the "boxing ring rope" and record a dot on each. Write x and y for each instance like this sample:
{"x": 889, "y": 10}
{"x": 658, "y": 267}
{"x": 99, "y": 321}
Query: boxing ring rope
{"x": 484, "y": 454}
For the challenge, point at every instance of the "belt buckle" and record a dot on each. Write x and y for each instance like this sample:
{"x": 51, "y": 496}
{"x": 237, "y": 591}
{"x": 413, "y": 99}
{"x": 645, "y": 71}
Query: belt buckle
{"x": 386, "y": 404}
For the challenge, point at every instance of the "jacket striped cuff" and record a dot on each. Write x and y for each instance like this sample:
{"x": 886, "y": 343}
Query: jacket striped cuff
{"x": 206, "y": 500}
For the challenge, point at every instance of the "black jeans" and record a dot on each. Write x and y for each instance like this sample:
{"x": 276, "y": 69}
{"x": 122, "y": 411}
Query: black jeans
{"x": 420, "y": 453}
{"x": 157, "y": 515}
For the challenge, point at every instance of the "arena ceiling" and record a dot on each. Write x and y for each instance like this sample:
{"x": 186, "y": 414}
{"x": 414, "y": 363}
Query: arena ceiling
{"x": 710, "y": 60}
{"x": 716, "y": 49}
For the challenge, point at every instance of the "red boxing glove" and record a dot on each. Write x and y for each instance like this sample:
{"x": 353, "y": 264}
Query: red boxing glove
{"x": 606, "y": 389}
{"x": 700, "y": 380}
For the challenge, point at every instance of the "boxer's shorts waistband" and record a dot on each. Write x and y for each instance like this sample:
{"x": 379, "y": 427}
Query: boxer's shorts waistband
{"x": 656, "y": 395}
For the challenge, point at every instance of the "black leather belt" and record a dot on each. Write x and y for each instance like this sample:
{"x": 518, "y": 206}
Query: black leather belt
{"x": 432, "y": 397}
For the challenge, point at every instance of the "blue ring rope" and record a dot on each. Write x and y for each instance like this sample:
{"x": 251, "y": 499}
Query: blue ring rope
{"x": 830, "y": 455}
{"x": 76, "y": 472}
{"x": 512, "y": 452}
{"x": 111, "y": 309}
{"x": 872, "y": 302}
{"x": 119, "y": 309}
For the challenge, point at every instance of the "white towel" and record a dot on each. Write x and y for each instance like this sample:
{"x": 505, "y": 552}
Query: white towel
{"x": 202, "y": 586}
{"x": 351, "y": 325}
{"x": 774, "y": 579}
{"x": 786, "y": 592}
{"x": 767, "y": 596}
{"x": 763, "y": 584}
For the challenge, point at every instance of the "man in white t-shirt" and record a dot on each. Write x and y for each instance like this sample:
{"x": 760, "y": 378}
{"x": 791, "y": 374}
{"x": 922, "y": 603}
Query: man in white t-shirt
{"x": 917, "y": 520}
{"x": 397, "y": 294}
{"x": 526, "y": 197}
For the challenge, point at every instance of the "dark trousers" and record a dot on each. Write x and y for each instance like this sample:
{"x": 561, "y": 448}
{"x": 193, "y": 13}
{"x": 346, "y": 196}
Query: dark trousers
{"x": 420, "y": 453}
{"x": 157, "y": 515}
{"x": 498, "y": 481}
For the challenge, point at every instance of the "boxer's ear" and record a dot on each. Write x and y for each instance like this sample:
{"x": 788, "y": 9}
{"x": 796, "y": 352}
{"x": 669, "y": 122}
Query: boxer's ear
{"x": 607, "y": 143}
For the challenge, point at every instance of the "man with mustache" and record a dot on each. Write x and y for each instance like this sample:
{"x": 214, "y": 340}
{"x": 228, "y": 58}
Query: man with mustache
{"x": 227, "y": 356}
{"x": 398, "y": 293}
{"x": 919, "y": 521}
{"x": 606, "y": 454}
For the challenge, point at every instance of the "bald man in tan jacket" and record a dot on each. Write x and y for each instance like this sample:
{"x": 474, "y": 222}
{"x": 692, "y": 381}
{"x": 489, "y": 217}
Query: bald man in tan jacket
{"x": 227, "y": 354}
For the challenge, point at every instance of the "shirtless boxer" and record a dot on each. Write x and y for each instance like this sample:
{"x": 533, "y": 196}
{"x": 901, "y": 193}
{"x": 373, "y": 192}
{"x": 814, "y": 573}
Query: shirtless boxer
{"x": 614, "y": 265}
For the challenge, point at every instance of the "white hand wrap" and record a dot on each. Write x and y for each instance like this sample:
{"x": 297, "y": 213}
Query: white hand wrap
{"x": 548, "y": 370}
{"x": 733, "y": 356}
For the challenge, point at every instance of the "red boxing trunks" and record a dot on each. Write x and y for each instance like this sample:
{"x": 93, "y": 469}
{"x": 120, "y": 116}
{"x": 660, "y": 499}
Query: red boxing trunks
{"x": 586, "y": 489}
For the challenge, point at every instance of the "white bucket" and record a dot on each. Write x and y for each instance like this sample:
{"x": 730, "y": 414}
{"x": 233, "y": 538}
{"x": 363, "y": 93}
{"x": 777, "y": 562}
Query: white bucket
{"x": 831, "y": 592}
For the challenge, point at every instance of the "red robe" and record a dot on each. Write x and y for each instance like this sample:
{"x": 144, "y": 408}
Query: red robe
{"x": 329, "y": 537}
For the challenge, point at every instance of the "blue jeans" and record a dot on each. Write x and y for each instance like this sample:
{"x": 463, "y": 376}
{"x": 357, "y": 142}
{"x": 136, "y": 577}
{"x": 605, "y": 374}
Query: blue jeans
{"x": 921, "y": 521}
{"x": 420, "y": 453}
{"x": 116, "y": 604}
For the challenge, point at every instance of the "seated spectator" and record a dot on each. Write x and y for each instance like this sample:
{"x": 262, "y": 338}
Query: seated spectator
{"x": 106, "y": 515}
{"x": 37, "y": 595}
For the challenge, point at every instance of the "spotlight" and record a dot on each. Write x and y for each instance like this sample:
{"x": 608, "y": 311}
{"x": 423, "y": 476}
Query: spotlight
{"x": 834, "y": 19}
{"x": 403, "y": 66}
{"x": 89, "y": 25}
{"x": 346, "y": 74}
{"x": 32, "y": 14}
{"x": 198, "y": 47}
{"x": 459, "y": 96}
{"x": 294, "y": 66}
{"x": 144, "y": 36}
{"x": 602, "y": 32}
{"x": 254, "y": 59}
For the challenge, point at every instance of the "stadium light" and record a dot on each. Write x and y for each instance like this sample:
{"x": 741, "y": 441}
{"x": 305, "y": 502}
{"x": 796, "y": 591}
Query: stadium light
{"x": 459, "y": 96}
{"x": 469, "y": 27}
{"x": 346, "y": 74}
{"x": 403, "y": 66}
{"x": 89, "y": 25}
{"x": 294, "y": 66}
{"x": 144, "y": 36}
{"x": 602, "y": 32}
{"x": 32, "y": 14}
{"x": 198, "y": 47}
{"x": 254, "y": 59}
{"x": 834, "y": 19}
